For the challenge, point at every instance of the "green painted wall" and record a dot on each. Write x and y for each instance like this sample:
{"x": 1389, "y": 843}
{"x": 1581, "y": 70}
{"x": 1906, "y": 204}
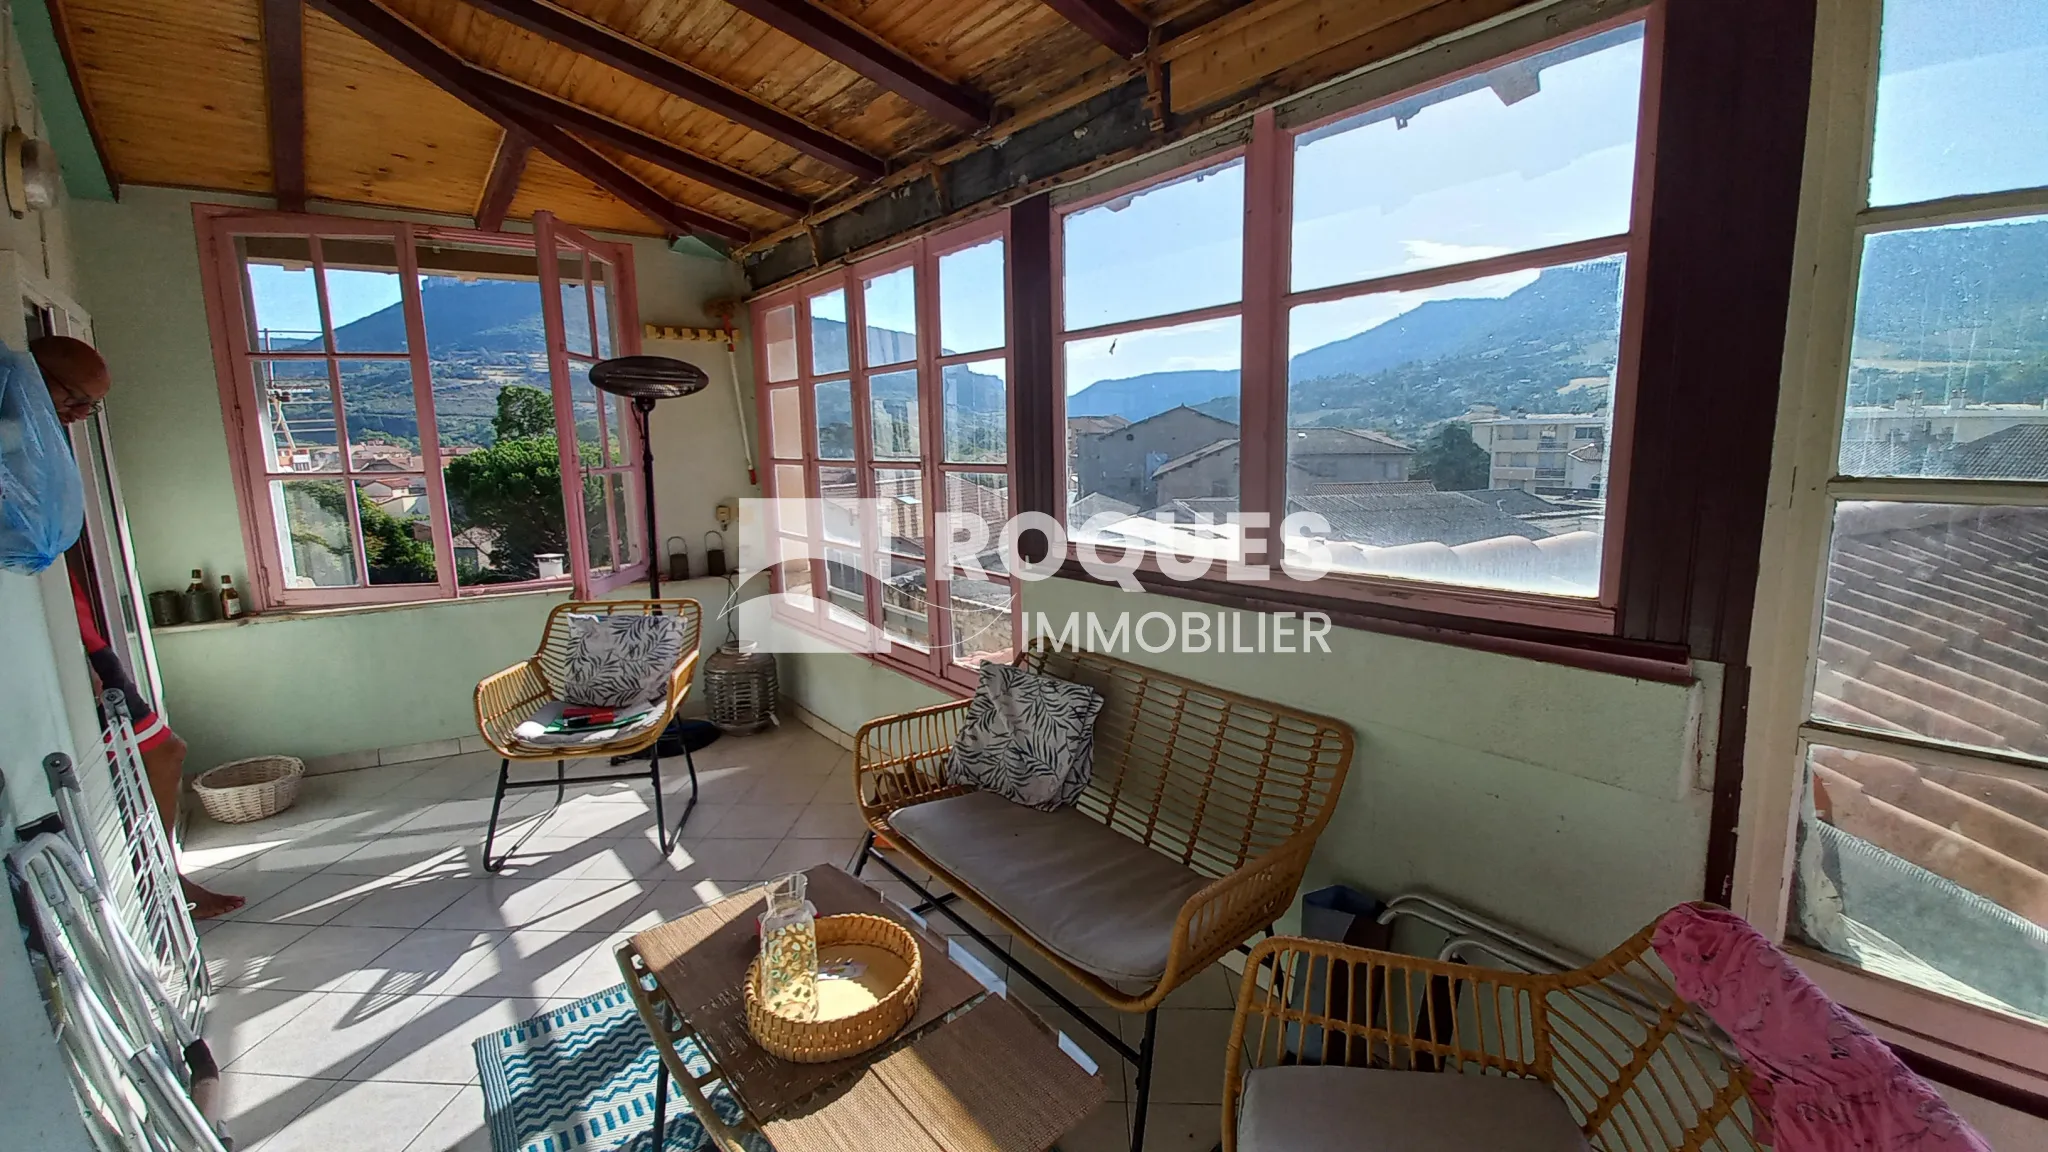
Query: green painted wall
{"x": 326, "y": 683}
{"x": 846, "y": 690}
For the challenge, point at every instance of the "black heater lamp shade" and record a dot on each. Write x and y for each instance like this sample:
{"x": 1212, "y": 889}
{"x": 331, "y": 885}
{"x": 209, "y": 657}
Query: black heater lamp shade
{"x": 648, "y": 377}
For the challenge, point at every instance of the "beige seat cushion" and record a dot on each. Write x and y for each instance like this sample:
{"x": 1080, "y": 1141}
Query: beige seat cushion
{"x": 1099, "y": 900}
{"x": 1313, "y": 1109}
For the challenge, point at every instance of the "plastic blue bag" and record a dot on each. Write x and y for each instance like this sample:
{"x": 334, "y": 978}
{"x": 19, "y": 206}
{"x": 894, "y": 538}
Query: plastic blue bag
{"x": 42, "y": 502}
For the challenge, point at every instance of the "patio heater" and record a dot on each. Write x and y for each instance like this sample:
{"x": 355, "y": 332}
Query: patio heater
{"x": 644, "y": 380}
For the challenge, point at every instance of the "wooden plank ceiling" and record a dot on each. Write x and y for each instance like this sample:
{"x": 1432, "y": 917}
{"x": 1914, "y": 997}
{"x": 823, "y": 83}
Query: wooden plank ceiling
{"x": 786, "y": 106}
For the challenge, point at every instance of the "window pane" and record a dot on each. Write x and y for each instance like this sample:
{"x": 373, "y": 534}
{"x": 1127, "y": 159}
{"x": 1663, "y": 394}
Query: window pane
{"x": 971, "y": 299}
{"x": 397, "y": 529}
{"x": 1169, "y": 248}
{"x": 796, "y": 577}
{"x": 1949, "y": 367}
{"x": 625, "y": 488}
{"x": 575, "y": 302}
{"x": 977, "y": 507}
{"x": 1935, "y": 623}
{"x": 785, "y": 424}
{"x": 314, "y": 539}
{"x": 597, "y": 526}
{"x": 382, "y": 416}
{"x": 1143, "y": 400}
{"x": 299, "y": 430}
{"x": 977, "y": 413}
{"x": 583, "y": 402}
{"x": 1537, "y": 152}
{"x": 891, "y": 316}
{"x": 601, "y": 300}
{"x": 618, "y": 423}
{"x": 892, "y": 415}
{"x": 846, "y": 586}
{"x": 1928, "y": 875}
{"x": 778, "y": 332}
{"x": 906, "y": 608}
{"x": 833, "y": 402}
{"x": 364, "y": 295}
{"x": 982, "y": 618}
{"x": 790, "y": 499}
{"x": 1962, "y": 99}
{"x": 828, "y": 333}
{"x": 284, "y": 301}
{"x": 505, "y": 511}
{"x": 1398, "y": 439}
{"x": 839, "y": 504}
{"x": 899, "y": 497}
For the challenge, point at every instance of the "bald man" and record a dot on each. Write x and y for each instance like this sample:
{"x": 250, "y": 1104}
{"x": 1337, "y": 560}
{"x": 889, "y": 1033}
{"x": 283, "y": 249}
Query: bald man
{"x": 79, "y": 382}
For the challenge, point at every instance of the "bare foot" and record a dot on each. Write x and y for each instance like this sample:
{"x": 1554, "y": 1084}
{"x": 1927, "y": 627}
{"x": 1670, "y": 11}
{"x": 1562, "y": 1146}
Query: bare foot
{"x": 207, "y": 905}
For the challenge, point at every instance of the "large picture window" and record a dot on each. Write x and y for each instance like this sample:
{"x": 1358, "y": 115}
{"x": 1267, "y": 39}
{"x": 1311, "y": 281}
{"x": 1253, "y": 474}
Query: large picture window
{"x": 885, "y": 399}
{"x": 1396, "y": 333}
{"x": 412, "y": 411}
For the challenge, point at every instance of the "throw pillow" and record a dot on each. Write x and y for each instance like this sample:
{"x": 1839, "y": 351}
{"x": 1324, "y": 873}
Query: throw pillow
{"x": 1027, "y": 737}
{"x": 620, "y": 660}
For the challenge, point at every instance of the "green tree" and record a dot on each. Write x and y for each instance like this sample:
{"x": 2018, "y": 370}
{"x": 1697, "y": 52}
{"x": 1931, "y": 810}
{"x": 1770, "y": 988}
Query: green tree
{"x": 1453, "y": 461}
{"x": 391, "y": 552}
{"x": 512, "y": 491}
{"x": 524, "y": 411}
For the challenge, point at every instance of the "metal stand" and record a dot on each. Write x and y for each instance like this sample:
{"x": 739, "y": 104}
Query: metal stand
{"x": 561, "y": 782}
{"x": 1139, "y": 1057}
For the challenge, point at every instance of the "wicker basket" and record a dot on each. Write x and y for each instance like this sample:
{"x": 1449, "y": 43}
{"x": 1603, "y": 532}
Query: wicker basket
{"x": 243, "y": 790}
{"x": 819, "y": 1041}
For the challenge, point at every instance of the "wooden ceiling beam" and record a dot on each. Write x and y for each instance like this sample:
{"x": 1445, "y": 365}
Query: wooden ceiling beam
{"x": 647, "y": 146}
{"x": 284, "y": 84}
{"x": 1124, "y": 31}
{"x": 506, "y": 169}
{"x": 641, "y": 62}
{"x": 849, "y": 44}
{"x": 455, "y": 76}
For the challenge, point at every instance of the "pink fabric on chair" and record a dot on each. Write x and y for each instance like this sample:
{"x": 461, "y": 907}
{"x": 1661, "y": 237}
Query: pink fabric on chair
{"x": 1822, "y": 1082}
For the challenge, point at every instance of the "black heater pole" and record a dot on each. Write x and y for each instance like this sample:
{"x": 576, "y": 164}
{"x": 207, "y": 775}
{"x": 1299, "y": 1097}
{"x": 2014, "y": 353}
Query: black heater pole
{"x": 644, "y": 407}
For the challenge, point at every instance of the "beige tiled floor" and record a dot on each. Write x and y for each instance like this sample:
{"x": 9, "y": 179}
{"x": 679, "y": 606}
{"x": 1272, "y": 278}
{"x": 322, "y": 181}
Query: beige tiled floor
{"x": 374, "y": 947}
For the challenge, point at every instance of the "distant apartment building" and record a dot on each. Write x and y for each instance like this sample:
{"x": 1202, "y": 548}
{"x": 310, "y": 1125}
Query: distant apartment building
{"x": 1120, "y": 463}
{"x": 1911, "y": 437}
{"x": 1318, "y": 460}
{"x": 1548, "y": 454}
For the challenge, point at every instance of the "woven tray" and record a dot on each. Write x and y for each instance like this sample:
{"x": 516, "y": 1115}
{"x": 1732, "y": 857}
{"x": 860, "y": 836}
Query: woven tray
{"x": 855, "y": 937}
{"x": 244, "y": 790}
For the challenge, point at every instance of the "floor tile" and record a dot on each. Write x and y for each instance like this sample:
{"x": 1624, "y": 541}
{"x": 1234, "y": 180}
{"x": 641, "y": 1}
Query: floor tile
{"x": 432, "y": 961}
{"x": 437, "y": 1045}
{"x": 364, "y": 1117}
{"x": 1183, "y": 1127}
{"x": 1187, "y": 1067}
{"x": 460, "y": 1127}
{"x": 255, "y": 1107}
{"x": 327, "y": 1040}
{"x": 788, "y": 784}
{"x": 592, "y": 905}
{"x": 238, "y": 1019}
{"x": 598, "y": 971}
{"x": 829, "y": 818}
{"x": 595, "y": 820}
{"x": 498, "y": 903}
{"x": 752, "y": 821}
{"x": 795, "y": 855}
{"x": 528, "y": 963}
{"x": 255, "y": 888}
{"x": 403, "y": 904}
{"x": 314, "y": 900}
{"x": 240, "y": 953}
{"x": 331, "y": 960}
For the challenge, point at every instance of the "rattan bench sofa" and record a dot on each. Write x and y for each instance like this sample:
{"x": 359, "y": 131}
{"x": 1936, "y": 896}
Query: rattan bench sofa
{"x": 1191, "y": 837}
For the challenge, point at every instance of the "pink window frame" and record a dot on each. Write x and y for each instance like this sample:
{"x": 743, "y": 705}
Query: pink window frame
{"x": 933, "y": 665}
{"x": 1266, "y": 301}
{"x": 228, "y": 311}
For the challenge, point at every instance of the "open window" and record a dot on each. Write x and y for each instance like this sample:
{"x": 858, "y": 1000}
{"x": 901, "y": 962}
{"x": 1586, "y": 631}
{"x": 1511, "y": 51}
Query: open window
{"x": 410, "y": 411}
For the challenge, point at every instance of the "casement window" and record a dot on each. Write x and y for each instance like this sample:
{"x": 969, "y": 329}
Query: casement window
{"x": 885, "y": 401}
{"x": 1360, "y": 325}
{"x": 1897, "y": 831}
{"x": 409, "y": 408}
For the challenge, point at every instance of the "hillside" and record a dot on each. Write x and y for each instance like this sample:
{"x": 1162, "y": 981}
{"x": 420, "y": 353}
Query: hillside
{"x": 1953, "y": 309}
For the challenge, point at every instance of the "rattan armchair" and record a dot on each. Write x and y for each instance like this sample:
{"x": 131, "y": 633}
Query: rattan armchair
{"x": 1638, "y": 1068}
{"x": 1233, "y": 789}
{"x": 507, "y": 699}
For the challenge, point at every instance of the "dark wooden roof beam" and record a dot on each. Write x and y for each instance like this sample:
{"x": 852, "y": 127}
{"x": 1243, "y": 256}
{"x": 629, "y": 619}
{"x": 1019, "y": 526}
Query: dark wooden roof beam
{"x": 641, "y": 62}
{"x": 416, "y": 50}
{"x": 653, "y": 149}
{"x": 851, "y": 45}
{"x": 1108, "y": 21}
{"x": 284, "y": 83}
{"x": 506, "y": 169}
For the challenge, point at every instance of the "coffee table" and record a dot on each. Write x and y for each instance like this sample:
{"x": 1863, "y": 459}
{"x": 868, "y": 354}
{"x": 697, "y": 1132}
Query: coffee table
{"x": 975, "y": 1071}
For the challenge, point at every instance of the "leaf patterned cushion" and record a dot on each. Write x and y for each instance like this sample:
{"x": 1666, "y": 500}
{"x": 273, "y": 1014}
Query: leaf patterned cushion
{"x": 1027, "y": 737}
{"x": 620, "y": 660}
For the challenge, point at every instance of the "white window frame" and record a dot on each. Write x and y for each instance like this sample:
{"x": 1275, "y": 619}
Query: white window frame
{"x": 1804, "y": 487}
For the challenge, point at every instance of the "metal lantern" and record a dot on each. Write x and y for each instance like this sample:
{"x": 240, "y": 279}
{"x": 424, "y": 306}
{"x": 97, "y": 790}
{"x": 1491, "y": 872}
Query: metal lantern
{"x": 740, "y": 688}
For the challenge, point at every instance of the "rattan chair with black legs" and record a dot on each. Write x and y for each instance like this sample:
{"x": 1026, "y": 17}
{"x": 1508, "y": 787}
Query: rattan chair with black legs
{"x": 509, "y": 698}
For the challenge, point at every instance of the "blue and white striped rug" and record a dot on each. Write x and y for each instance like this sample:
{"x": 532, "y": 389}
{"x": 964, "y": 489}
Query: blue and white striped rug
{"x": 581, "y": 1079}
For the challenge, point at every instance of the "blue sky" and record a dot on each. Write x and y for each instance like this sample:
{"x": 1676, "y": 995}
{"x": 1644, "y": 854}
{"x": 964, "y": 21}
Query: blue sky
{"x": 285, "y": 300}
{"x": 1962, "y": 99}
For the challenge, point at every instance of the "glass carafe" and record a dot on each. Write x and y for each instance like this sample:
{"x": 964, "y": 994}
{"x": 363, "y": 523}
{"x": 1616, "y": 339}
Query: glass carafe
{"x": 789, "y": 951}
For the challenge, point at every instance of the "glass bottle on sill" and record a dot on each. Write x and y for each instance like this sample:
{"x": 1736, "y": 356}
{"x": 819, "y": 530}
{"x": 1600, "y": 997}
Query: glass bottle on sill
{"x": 789, "y": 951}
{"x": 200, "y": 605}
{"x": 230, "y": 599}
